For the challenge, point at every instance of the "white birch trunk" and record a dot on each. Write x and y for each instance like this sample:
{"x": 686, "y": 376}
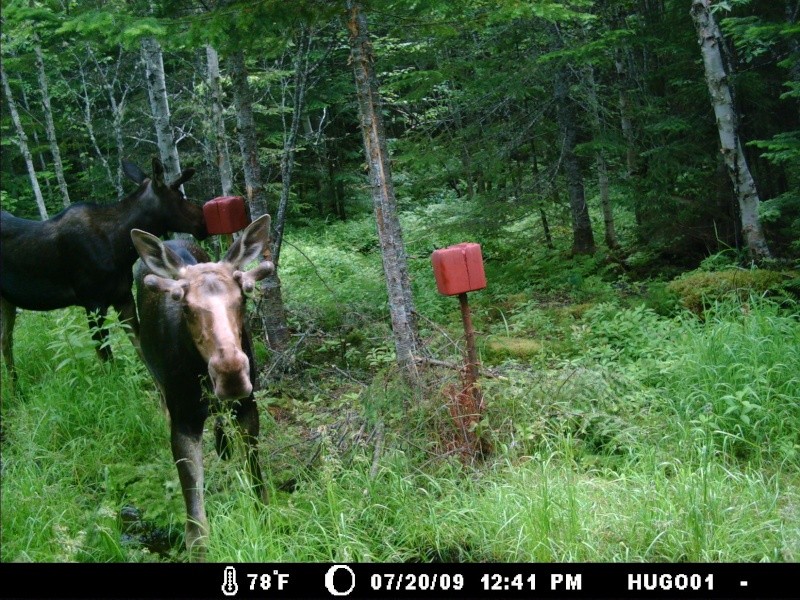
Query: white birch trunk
{"x": 50, "y": 127}
{"x": 118, "y": 110}
{"x": 223, "y": 158}
{"x": 110, "y": 81}
{"x": 710, "y": 40}
{"x": 22, "y": 141}
{"x": 159, "y": 105}
{"x": 88, "y": 122}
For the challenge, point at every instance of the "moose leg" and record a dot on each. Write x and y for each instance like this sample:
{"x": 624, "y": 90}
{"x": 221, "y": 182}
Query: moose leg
{"x": 8, "y": 314}
{"x": 187, "y": 451}
{"x": 97, "y": 319}
{"x": 246, "y": 412}
{"x": 127, "y": 315}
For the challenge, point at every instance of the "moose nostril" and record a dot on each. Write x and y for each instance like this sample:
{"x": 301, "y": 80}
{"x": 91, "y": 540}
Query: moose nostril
{"x": 230, "y": 374}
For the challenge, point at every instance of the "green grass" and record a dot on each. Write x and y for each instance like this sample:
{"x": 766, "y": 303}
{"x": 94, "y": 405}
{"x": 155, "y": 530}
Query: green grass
{"x": 543, "y": 509}
{"x": 623, "y": 435}
{"x": 67, "y": 427}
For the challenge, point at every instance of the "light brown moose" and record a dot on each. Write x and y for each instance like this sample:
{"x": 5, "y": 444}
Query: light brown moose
{"x": 194, "y": 338}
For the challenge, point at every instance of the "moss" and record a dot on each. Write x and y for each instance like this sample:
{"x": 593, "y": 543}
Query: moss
{"x": 500, "y": 348}
{"x": 576, "y": 311}
{"x": 699, "y": 287}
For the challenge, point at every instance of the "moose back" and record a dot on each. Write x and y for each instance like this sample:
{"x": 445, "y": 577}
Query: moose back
{"x": 84, "y": 256}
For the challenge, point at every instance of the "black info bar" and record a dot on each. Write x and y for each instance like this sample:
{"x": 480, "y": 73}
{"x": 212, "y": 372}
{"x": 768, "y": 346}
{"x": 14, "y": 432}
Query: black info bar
{"x": 408, "y": 580}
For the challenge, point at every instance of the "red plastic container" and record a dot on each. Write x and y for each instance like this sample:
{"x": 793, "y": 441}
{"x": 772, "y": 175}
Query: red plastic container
{"x": 225, "y": 214}
{"x": 459, "y": 269}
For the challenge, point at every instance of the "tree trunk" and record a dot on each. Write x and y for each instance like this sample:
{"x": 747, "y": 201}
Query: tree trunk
{"x": 117, "y": 105}
{"x": 605, "y": 201}
{"x": 159, "y": 106}
{"x": 710, "y": 40}
{"x": 272, "y": 313}
{"x": 277, "y": 328}
{"x": 22, "y": 141}
{"x": 88, "y": 121}
{"x": 118, "y": 110}
{"x": 582, "y": 235}
{"x": 625, "y": 117}
{"x": 395, "y": 266}
{"x": 548, "y": 238}
{"x": 630, "y": 138}
{"x": 246, "y": 127}
{"x": 223, "y": 159}
{"x": 304, "y": 42}
{"x": 50, "y": 127}
{"x": 602, "y": 162}
{"x": 36, "y": 144}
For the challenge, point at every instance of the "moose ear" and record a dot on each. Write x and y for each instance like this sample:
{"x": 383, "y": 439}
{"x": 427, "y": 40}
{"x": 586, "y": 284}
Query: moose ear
{"x": 158, "y": 171}
{"x": 156, "y": 256}
{"x": 251, "y": 243}
{"x": 185, "y": 176}
{"x": 133, "y": 172}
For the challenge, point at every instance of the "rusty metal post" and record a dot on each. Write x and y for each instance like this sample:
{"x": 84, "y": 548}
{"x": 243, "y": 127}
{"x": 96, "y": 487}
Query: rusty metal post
{"x": 471, "y": 366}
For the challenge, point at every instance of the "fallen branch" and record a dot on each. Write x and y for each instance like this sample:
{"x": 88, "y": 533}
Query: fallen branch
{"x": 449, "y": 365}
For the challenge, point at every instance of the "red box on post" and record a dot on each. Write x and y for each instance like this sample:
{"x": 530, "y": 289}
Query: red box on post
{"x": 225, "y": 214}
{"x": 459, "y": 269}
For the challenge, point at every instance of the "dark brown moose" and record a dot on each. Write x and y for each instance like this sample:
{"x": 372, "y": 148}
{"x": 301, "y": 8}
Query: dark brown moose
{"x": 194, "y": 338}
{"x": 84, "y": 257}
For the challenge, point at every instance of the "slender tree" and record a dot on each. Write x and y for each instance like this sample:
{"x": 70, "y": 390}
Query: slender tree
{"x": 711, "y": 43}
{"x": 220, "y": 140}
{"x": 85, "y": 98}
{"x": 601, "y": 161}
{"x": 153, "y": 59}
{"x": 116, "y": 89}
{"x": 246, "y": 131}
{"x": 50, "y": 127}
{"x": 395, "y": 266}
{"x": 301, "y": 72}
{"x": 582, "y": 235}
{"x": 22, "y": 142}
{"x": 274, "y": 310}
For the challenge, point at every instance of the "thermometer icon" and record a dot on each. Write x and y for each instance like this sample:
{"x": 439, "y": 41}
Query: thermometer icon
{"x": 229, "y": 585}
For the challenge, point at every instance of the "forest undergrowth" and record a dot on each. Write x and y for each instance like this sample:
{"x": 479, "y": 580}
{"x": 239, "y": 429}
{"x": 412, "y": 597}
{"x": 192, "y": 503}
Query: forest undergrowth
{"x": 618, "y": 424}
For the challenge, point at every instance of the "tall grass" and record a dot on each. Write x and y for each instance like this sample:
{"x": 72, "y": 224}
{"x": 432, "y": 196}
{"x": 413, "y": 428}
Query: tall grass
{"x": 736, "y": 376}
{"x": 69, "y": 424}
{"x": 543, "y": 509}
{"x": 607, "y": 452}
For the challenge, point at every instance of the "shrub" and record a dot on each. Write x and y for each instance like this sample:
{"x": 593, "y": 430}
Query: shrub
{"x": 625, "y": 334}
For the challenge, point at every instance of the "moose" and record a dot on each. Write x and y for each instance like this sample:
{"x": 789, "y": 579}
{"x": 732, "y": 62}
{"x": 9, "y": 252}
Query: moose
{"x": 194, "y": 339}
{"x": 84, "y": 257}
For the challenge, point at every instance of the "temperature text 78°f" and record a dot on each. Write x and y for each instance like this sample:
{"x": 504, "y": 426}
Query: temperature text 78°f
{"x": 268, "y": 581}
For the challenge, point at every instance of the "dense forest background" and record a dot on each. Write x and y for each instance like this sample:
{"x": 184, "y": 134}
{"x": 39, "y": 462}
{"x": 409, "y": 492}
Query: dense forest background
{"x": 638, "y": 337}
{"x": 477, "y": 98}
